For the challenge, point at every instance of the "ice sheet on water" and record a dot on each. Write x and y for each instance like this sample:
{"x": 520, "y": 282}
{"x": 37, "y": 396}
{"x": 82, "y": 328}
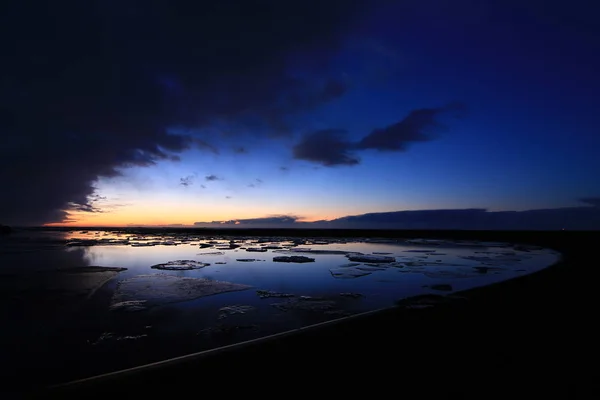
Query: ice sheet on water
{"x": 293, "y": 259}
{"x": 306, "y": 304}
{"x": 369, "y": 258}
{"x": 226, "y": 311}
{"x": 348, "y": 272}
{"x": 264, "y": 294}
{"x": 131, "y": 305}
{"x": 180, "y": 265}
{"x": 161, "y": 289}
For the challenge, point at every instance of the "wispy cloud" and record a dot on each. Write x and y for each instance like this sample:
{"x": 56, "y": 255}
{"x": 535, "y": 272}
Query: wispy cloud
{"x": 187, "y": 181}
{"x": 330, "y": 147}
{"x": 212, "y": 178}
{"x": 257, "y": 182}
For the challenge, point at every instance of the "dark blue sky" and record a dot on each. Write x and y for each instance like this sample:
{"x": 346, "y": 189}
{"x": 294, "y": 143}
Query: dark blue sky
{"x": 507, "y": 92}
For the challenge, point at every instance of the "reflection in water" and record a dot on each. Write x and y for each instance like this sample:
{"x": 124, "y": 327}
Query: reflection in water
{"x": 205, "y": 292}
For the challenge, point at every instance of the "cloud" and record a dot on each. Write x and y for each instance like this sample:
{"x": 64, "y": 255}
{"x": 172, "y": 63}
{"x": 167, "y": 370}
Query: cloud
{"x": 201, "y": 143}
{"x": 592, "y": 201}
{"x": 187, "y": 181}
{"x": 84, "y": 208}
{"x": 417, "y": 126}
{"x": 271, "y": 221}
{"x": 212, "y": 178}
{"x": 328, "y": 147}
{"x": 93, "y": 89}
{"x": 257, "y": 182}
{"x": 570, "y": 218}
{"x": 240, "y": 150}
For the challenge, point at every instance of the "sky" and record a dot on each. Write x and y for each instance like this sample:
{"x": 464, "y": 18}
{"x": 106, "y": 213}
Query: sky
{"x": 231, "y": 112}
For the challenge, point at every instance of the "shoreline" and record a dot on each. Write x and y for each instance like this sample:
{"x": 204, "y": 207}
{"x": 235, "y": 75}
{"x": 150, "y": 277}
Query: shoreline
{"x": 503, "y": 329}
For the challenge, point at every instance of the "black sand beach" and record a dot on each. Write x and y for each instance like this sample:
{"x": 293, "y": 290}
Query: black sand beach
{"x": 531, "y": 336}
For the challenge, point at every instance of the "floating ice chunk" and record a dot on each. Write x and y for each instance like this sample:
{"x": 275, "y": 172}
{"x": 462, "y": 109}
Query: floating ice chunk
{"x": 293, "y": 259}
{"x": 305, "y": 305}
{"x": 222, "y": 331}
{"x": 263, "y": 294}
{"x": 246, "y": 259}
{"x": 371, "y": 258}
{"x": 348, "y": 273}
{"x": 324, "y": 252}
{"x": 132, "y": 337}
{"x": 180, "y": 265}
{"x": 131, "y": 305}
{"x": 224, "y": 312}
{"x": 257, "y": 249}
{"x": 212, "y": 253}
{"x": 162, "y": 289}
{"x": 370, "y": 268}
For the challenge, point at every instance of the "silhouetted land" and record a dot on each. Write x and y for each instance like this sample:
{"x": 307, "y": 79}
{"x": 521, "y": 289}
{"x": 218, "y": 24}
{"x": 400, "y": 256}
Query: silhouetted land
{"x": 534, "y": 335}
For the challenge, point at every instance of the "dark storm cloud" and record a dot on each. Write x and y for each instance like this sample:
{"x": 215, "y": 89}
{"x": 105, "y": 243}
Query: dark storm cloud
{"x": 88, "y": 88}
{"x": 329, "y": 147}
{"x": 212, "y": 178}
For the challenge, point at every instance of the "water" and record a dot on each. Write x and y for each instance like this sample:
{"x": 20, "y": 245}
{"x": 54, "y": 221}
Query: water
{"x": 78, "y": 315}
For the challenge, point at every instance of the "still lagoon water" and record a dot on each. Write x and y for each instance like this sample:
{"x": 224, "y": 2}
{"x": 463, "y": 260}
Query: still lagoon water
{"x": 82, "y": 303}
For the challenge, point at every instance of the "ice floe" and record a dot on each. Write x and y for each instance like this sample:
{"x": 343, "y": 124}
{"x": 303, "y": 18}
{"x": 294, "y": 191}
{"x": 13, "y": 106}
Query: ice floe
{"x": 348, "y": 272}
{"x": 293, "y": 259}
{"x": 161, "y": 289}
{"x": 371, "y": 258}
{"x": 264, "y": 294}
{"x": 227, "y": 311}
{"x": 180, "y": 265}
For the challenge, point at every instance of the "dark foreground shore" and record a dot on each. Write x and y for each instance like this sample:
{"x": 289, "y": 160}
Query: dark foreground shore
{"x": 535, "y": 335}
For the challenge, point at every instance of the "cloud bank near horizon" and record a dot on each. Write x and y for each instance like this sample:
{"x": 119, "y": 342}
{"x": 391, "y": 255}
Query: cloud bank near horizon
{"x": 569, "y": 218}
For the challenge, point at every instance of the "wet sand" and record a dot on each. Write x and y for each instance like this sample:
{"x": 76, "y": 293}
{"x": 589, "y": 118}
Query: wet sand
{"x": 533, "y": 335}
